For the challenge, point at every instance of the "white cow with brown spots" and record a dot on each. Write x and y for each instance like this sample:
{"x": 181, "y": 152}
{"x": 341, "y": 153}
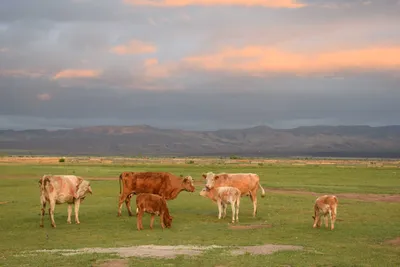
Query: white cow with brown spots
{"x": 223, "y": 196}
{"x": 59, "y": 189}
{"x": 325, "y": 205}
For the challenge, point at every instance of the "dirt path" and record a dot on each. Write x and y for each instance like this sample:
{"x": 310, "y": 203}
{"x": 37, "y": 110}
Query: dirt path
{"x": 172, "y": 251}
{"x": 363, "y": 197}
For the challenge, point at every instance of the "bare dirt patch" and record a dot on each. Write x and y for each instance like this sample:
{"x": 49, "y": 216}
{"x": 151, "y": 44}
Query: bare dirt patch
{"x": 249, "y": 226}
{"x": 172, "y": 251}
{"x": 394, "y": 242}
{"x": 363, "y": 197}
{"x": 112, "y": 263}
{"x": 3, "y": 202}
{"x": 264, "y": 249}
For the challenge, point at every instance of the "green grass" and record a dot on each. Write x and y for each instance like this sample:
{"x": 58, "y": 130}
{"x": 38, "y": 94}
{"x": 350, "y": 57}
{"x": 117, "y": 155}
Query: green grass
{"x": 356, "y": 241}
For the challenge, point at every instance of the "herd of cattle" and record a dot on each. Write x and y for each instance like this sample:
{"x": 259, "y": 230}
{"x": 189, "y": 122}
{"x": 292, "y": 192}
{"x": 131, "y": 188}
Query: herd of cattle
{"x": 154, "y": 189}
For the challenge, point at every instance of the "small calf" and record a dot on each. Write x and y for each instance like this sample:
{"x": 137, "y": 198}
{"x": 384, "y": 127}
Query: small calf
{"x": 323, "y": 206}
{"x": 155, "y": 205}
{"x": 224, "y": 195}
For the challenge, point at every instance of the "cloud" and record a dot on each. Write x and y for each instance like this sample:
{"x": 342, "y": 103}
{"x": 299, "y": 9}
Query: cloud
{"x": 77, "y": 73}
{"x": 260, "y": 59}
{"x": 182, "y": 3}
{"x": 134, "y": 47}
{"x": 22, "y": 73}
{"x": 43, "y": 97}
{"x": 3, "y": 49}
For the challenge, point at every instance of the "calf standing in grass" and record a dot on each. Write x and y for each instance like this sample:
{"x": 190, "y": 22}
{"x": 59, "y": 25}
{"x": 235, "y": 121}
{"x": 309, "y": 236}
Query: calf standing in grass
{"x": 323, "y": 206}
{"x": 155, "y": 205}
{"x": 224, "y": 195}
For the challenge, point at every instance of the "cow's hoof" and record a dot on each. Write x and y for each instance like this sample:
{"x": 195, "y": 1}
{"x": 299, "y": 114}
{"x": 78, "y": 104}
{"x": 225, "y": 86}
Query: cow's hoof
{"x": 53, "y": 225}
{"x": 69, "y": 222}
{"x": 77, "y": 223}
{"x": 41, "y": 225}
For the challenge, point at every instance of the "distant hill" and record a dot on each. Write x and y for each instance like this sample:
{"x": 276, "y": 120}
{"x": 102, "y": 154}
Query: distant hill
{"x": 334, "y": 141}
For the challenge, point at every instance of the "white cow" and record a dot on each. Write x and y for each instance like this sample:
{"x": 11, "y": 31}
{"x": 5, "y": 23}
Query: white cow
{"x": 59, "y": 189}
{"x": 224, "y": 195}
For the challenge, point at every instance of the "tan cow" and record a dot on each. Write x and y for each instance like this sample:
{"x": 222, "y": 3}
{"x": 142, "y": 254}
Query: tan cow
{"x": 155, "y": 205}
{"x": 224, "y": 195}
{"x": 59, "y": 189}
{"x": 247, "y": 183}
{"x": 324, "y": 205}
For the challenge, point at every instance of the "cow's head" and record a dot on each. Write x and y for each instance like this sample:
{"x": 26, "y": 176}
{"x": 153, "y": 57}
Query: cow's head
{"x": 188, "y": 183}
{"x": 83, "y": 187}
{"x": 210, "y": 179}
{"x": 168, "y": 220}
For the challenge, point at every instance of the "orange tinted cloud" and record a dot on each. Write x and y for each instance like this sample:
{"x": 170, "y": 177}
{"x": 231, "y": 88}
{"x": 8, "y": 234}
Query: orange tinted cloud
{"x": 152, "y": 69}
{"x": 134, "y": 47}
{"x": 179, "y": 3}
{"x": 258, "y": 59}
{"x": 77, "y": 73}
{"x": 43, "y": 97}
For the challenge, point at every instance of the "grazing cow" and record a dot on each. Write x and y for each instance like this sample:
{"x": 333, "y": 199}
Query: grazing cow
{"x": 247, "y": 183}
{"x": 59, "y": 189}
{"x": 160, "y": 183}
{"x": 323, "y": 206}
{"x": 224, "y": 195}
{"x": 155, "y": 205}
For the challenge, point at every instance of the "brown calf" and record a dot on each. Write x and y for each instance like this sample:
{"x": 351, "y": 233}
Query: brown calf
{"x": 323, "y": 206}
{"x": 155, "y": 205}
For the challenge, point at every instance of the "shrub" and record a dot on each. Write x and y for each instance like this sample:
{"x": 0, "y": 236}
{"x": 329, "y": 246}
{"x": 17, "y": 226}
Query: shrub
{"x": 61, "y": 160}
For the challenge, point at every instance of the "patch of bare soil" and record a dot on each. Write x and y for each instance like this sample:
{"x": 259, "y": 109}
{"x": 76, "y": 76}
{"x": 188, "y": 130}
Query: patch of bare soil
{"x": 113, "y": 263}
{"x": 363, "y": 197}
{"x": 264, "y": 249}
{"x": 249, "y": 226}
{"x": 394, "y": 242}
{"x": 172, "y": 251}
{"x": 3, "y": 202}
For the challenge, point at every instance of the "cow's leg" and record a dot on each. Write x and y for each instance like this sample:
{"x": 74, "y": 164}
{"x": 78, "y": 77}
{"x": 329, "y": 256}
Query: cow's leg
{"x": 43, "y": 202}
{"x": 128, "y": 205}
{"x": 124, "y": 197}
{"x": 233, "y": 211}
{"x": 333, "y": 218}
{"x": 162, "y": 220}
{"x": 51, "y": 212}
{"x": 316, "y": 219}
{"x": 77, "y": 204}
{"x": 326, "y": 219}
{"x": 152, "y": 221}
{"x": 139, "y": 220}
{"x": 224, "y": 206}
{"x": 253, "y": 197}
{"x": 69, "y": 213}
{"x": 219, "y": 208}
{"x": 237, "y": 209}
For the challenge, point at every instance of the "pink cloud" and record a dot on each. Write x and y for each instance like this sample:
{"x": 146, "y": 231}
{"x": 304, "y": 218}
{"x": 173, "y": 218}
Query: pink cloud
{"x": 134, "y": 47}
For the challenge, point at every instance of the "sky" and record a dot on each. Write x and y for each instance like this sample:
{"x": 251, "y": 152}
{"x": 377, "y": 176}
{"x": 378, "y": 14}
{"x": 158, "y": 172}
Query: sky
{"x": 199, "y": 64}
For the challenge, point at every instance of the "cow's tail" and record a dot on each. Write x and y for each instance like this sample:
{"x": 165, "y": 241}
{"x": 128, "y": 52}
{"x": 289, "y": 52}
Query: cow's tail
{"x": 120, "y": 188}
{"x": 262, "y": 190}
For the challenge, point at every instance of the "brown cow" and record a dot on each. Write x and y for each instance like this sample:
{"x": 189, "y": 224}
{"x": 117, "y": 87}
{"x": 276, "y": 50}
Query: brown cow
{"x": 324, "y": 205}
{"x": 155, "y": 205}
{"x": 247, "y": 183}
{"x": 59, "y": 189}
{"x": 160, "y": 183}
{"x": 224, "y": 195}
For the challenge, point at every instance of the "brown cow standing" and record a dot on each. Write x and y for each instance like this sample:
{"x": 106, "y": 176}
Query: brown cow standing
{"x": 155, "y": 205}
{"x": 324, "y": 205}
{"x": 59, "y": 189}
{"x": 247, "y": 183}
{"x": 160, "y": 183}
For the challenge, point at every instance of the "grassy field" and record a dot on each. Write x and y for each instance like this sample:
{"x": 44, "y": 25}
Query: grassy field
{"x": 358, "y": 240}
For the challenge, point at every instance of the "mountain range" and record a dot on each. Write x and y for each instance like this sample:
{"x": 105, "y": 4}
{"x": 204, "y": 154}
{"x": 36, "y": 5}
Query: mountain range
{"x": 259, "y": 141}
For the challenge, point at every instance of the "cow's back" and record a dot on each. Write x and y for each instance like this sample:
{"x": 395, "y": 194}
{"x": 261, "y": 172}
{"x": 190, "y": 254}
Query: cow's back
{"x": 245, "y": 182}
{"x": 61, "y": 188}
{"x": 150, "y": 182}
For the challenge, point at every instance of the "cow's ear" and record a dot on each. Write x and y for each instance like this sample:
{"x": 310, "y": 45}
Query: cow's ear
{"x": 204, "y": 175}
{"x": 216, "y": 177}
